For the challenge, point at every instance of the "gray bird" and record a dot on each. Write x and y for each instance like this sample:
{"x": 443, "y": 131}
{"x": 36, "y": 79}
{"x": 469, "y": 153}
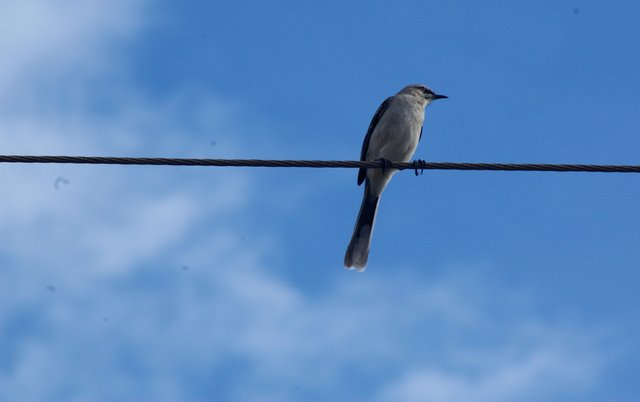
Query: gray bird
{"x": 393, "y": 135}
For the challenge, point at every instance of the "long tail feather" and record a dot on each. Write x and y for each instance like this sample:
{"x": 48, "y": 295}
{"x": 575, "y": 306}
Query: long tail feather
{"x": 358, "y": 250}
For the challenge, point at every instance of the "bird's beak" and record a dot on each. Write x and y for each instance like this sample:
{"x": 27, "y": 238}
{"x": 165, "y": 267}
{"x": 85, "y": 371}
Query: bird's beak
{"x": 436, "y": 96}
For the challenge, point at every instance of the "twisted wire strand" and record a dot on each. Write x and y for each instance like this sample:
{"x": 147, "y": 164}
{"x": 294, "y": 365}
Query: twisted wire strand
{"x": 415, "y": 165}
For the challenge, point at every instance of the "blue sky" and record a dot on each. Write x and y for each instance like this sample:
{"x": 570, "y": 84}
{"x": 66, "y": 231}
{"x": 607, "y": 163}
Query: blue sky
{"x": 197, "y": 284}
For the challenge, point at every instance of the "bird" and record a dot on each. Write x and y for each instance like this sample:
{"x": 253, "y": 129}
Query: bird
{"x": 393, "y": 135}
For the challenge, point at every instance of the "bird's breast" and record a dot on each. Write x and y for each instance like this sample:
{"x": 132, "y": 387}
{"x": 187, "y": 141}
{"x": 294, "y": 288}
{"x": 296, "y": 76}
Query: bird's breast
{"x": 397, "y": 133}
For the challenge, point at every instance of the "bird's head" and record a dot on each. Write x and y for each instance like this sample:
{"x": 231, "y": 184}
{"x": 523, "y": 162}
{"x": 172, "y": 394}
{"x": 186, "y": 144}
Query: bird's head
{"x": 421, "y": 91}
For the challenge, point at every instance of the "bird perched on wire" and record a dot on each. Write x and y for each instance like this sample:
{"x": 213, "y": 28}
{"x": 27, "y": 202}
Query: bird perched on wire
{"x": 393, "y": 135}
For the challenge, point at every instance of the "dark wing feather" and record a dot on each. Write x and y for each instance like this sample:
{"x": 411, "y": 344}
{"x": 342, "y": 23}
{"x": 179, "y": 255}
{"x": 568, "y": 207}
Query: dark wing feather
{"x": 362, "y": 173}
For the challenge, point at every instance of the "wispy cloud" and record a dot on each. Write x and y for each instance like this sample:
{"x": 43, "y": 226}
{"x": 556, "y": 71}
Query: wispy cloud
{"x": 41, "y": 40}
{"x": 227, "y": 321}
{"x": 555, "y": 363}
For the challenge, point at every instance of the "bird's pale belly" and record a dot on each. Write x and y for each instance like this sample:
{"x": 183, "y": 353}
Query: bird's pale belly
{"x": 398, "y": 147}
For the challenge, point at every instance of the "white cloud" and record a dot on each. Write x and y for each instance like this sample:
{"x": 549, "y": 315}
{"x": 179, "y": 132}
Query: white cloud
{"x": 114, "y": 216}
{"x": 40, "y": 39}
{"x": 553, "y": 366}
{"x": 230, "y": 322}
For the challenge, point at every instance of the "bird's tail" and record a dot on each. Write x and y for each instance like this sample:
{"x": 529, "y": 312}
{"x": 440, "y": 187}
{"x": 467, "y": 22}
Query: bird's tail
{"x": 358, "y": 250}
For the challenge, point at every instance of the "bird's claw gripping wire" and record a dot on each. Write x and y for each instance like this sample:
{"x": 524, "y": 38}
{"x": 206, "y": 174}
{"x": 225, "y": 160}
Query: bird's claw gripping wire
{"x": 384, "y": 164}
{"x": 419, "y": 164}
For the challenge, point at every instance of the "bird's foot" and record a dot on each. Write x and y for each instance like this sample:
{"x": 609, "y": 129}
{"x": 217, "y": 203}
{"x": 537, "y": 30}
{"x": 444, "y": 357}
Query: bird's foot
{"x": 384, "y": 164}
{"x": 419, "y": 164}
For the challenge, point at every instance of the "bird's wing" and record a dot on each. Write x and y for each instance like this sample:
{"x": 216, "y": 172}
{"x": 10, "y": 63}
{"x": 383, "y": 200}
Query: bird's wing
{"x": 362, "y": 173}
